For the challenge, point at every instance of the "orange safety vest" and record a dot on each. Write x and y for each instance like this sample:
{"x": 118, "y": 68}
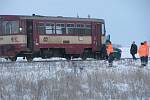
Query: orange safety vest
{"x": 142, "y": 51}
{"x": 110, "y": 49}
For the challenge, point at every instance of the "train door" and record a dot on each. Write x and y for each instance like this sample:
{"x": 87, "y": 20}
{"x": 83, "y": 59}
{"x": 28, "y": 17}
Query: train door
{"x": 98, "y": 36}
{"x": 29, "y": 29}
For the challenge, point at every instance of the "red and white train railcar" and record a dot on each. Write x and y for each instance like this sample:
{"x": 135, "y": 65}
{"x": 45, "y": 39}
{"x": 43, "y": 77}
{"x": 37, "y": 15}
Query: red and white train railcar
{"x": 45, "y": 36}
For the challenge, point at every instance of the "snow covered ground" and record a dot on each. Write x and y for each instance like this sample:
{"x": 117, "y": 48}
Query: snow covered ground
{"x": 74, "y": 80}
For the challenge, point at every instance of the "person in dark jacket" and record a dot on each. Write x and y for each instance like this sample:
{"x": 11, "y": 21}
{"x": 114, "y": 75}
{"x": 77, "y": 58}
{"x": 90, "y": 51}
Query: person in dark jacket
{"x": 133, "y": 50}
{"x": 103, "y": 52}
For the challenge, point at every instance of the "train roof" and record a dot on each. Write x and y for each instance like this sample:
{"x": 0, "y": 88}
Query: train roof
{"x": 39, "y": 17}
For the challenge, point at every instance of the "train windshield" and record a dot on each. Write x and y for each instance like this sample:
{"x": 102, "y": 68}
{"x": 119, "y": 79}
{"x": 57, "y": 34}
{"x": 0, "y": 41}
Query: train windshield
{"x": 9, "y": 27}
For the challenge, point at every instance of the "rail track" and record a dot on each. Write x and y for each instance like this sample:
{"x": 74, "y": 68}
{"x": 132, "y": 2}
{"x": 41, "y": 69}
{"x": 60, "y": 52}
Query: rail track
{"x": 73, "y": 60}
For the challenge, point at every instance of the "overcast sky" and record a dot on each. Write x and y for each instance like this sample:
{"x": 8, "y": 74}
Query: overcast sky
{"x": 126, "y": 20}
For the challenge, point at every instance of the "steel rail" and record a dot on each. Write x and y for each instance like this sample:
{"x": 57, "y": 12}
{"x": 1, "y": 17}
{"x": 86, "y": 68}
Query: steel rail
{"x": 61, "y": 60}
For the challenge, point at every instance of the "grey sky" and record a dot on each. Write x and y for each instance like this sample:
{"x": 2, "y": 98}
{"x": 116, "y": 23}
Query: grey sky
{"x": 126, "y": 20}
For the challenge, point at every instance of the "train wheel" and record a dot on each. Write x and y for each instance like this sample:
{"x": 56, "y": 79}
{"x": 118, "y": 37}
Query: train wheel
{"x": 6, "y": 58}
{"x": 13, "y": 58}
{"x": 29, "y": 58}
{"x": 84, "y": 56}
{"x": 68, "y": 57}
{"x": 97, "y": 56}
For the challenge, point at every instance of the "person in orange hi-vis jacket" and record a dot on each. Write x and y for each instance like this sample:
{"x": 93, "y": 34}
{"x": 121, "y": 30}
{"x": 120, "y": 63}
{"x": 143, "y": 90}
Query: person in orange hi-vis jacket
{"x": 142, "y": 53}
{"x": 147, "y": 51}
{"x": 110, "y": 53}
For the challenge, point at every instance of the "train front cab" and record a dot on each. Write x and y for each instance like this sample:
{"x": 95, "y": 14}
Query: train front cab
{"x": 12, "y": 37}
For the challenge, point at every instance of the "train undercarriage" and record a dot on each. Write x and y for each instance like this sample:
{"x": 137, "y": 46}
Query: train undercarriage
{"x": 45, "y": 53}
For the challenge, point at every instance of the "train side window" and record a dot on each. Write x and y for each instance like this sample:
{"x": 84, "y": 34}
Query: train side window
{"x": 70, "y": 25}
{"x": 15, "y": 26}
{"x": 50, "y": 28}
{"x": 83, "y": 29}
{"x": 80, "y": 29}
{"x": 88, "y": 26}
{"x": 80, "y": 25}
{"x": 70, "y": 29}
{"x": 60, "y": 28}
{"x": 4, "y": 27}
{"x": 10, "y": 27}
{"x": 88, "y": 29}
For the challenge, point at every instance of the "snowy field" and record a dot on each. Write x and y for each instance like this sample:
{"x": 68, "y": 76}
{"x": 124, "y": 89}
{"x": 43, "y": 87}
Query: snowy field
{"x": 74, "y": 80}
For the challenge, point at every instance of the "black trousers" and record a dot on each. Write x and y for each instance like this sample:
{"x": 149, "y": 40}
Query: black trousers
{"x": 133, "y": 56}
{"x": 143, "y": 61}
{"x": 110, "y": 58}
{"x": 146, "y": 60}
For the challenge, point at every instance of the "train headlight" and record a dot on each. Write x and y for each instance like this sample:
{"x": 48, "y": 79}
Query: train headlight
{"x": 20, "y": 29}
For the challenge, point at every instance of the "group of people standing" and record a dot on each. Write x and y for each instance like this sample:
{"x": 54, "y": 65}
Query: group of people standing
{"x": 143, "y": 52}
